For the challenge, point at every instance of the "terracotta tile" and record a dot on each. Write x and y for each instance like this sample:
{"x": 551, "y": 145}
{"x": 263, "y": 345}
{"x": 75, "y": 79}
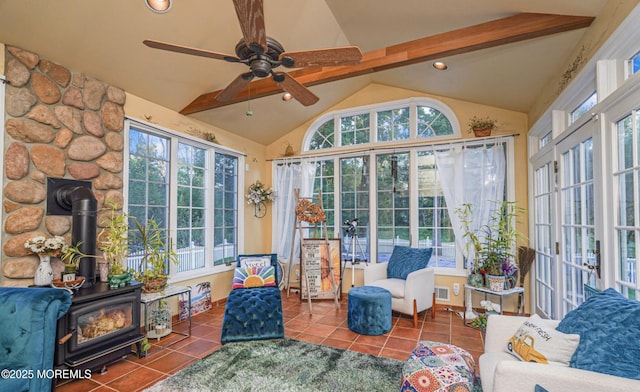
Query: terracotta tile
{"x": 344, "y": 334}
{"x": 365, "y": 348}
{"x": 114, "y": 371}
{"x": 322, "y": 330}
{"x": 171, "y": 361}
{"x": 407, "y": 333}
{"x": 372, "y": 340}
{"x": 337, "y": 343}
{"x": 435, "y": 336}
{"x": 82, "y": 385}
{"x": 311, "y": 338}
{"x": 138, "y": 379}
{"x": 334, "y": 320}
{"x": 395, "y": 354}
{"x": 296, "y": 325}
{"x": 401, "y": 344}
{"x": 200, "y": 348}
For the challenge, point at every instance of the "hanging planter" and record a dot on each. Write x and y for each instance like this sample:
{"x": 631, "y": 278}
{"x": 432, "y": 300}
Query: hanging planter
{"x": 258, "y": 195}
{"x": 482, "y": 126}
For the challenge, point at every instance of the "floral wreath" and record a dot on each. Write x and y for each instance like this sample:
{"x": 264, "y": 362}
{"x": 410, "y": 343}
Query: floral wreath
{"x": 259, "y": 193}
{"x": 309, "y": 212}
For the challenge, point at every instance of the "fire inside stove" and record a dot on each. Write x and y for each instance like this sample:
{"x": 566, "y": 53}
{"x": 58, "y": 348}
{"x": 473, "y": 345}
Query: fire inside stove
{"x": 103, "y": 321}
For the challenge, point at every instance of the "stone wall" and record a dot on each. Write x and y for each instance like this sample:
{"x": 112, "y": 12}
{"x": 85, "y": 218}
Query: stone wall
{"x": 58, "y": 124}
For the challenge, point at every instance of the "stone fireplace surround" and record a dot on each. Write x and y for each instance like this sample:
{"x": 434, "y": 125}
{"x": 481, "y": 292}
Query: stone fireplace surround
{"x": 58, "y": 124}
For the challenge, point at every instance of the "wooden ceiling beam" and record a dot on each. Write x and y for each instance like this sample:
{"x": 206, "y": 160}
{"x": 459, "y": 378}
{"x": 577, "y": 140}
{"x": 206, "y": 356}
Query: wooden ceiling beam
{"x": 498, "y": 32}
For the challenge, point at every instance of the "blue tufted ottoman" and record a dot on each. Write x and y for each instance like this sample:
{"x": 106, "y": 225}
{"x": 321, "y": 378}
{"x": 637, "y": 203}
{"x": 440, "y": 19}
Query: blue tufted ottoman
{"x": 369, "y": 310}
{"x": 252, "y": 314}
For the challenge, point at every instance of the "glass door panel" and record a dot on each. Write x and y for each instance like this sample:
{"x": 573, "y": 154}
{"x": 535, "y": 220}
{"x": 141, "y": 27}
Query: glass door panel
{"x": 577, "y": 211}
{"x": 544, "y": 235}
{"x": 626, "y": 175}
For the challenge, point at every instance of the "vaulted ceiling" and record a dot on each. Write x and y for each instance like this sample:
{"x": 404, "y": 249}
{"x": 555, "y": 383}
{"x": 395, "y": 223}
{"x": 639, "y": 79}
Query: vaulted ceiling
{"x": 497, "y": 52}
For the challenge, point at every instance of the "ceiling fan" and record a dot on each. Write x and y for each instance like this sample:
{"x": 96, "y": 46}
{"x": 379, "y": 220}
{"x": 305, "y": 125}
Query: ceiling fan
{"x": 263, "y": 54}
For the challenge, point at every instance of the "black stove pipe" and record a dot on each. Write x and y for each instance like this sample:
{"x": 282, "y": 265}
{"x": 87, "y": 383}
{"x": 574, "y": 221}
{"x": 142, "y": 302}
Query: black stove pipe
{"x": 84, "y": 212}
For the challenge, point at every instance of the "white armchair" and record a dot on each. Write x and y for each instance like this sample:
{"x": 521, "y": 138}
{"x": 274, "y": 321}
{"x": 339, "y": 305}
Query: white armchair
{"x": 410, "y": 296}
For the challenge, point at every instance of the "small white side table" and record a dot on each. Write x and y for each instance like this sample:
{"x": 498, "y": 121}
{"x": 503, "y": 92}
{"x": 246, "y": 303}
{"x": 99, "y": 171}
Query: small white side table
{"x": 501, "y": 294}
{"x": 170, "y": 291}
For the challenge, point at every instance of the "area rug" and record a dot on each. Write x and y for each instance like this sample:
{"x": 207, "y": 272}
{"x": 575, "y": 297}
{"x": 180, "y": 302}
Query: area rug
{"x": 284, "y": 365}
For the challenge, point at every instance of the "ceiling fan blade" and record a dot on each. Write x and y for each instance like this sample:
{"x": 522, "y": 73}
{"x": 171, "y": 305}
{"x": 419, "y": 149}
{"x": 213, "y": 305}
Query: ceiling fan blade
{"x": 187, "y": 50}
{"x": 295, "y": 88}
{"x": 251, "y": 17}
{"x": 235, "y": 87}
{"x": 346, "y": 55}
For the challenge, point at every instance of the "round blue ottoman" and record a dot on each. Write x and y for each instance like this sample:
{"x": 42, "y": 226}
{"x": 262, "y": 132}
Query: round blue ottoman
{"x": 369, "y": 310}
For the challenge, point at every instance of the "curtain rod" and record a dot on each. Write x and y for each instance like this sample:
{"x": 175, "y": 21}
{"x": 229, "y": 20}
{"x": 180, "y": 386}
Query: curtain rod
{"x": 464, "y": 142}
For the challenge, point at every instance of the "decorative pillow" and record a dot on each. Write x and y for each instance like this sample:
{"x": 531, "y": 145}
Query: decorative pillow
{"x": 249, "y": 277}
{"x": 255, "y": 261}
{"x": 537, "y": 341}
{"x": 609, "y": 329}
{"x": 539, "y": 388}
{"x": 405, "y": 260}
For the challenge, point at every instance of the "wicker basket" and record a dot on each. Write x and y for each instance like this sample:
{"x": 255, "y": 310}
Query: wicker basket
{"x": 154, "y": 285}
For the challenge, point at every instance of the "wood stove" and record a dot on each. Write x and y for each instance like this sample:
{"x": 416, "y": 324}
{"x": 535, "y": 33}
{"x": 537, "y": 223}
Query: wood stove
{"x": 100, "y": 327}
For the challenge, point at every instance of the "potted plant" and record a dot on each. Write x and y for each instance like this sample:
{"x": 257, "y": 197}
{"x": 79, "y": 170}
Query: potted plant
{"x": 114, "y": 245}
{"x": 494, "y": 243}
{"x": 70, "y": 256}
{"x": 156, "y": 251}
{"x": 482, "y": 126}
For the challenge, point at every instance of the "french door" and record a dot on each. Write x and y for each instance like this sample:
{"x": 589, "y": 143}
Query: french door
{"x": 580, "y": 229}
{"x": 544, "y": 182}
{"x": 566, "y": 228}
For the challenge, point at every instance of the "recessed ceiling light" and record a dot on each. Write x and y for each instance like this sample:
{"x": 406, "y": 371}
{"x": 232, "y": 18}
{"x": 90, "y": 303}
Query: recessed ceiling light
{"x": 439, "y": 65}
{"x": 158, "y": 6}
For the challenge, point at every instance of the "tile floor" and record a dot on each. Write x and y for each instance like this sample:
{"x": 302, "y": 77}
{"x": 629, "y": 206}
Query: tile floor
{"x": 326, "y": 325}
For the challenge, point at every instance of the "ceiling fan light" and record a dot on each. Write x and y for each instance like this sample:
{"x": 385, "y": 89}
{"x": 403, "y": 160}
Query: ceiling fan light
{"x": 286, "y": 97}
{"x": 158, "y": 6}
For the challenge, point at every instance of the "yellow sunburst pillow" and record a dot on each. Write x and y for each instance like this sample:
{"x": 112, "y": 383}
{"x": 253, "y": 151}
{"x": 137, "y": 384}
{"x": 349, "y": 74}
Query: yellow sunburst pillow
{"x": 250, "y": 277}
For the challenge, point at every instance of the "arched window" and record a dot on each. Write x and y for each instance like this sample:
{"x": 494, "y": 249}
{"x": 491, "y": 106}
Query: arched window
{"x": 397, "y": 121}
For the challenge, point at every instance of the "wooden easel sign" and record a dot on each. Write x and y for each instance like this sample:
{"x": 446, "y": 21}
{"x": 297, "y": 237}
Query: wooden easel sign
{"x": 316, "y": 254}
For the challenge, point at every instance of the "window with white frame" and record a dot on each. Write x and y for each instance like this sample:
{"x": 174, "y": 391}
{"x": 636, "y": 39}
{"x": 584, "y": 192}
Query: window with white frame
{"x": 392, "y": 192}
{"x": 412, "y": 119}
{"x": 191, "y": 225}
{"x": 354, "y": 206}
{"x": 584, "y": 107}
{"x": 191, "y": 190}
{"x": 225, "y": 208}
{"x": 634, "y": 64}
{"x": 392, "y": 174}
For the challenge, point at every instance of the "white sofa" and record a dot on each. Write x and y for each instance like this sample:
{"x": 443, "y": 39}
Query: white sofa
{"x": 502, "y": 372}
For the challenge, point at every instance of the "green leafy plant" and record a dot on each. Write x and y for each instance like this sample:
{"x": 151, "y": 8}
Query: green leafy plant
{"x": 113, "y": 239}
{"x": 494, "y": 244}
{"x": 71, "y": 255}
{"x": 476, "y": 123}
{"x": 156, "y": 249}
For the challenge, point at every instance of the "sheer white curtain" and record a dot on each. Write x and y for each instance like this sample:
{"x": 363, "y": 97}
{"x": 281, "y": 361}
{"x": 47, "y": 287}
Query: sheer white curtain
{"x": 475, "y": 175}
{"x": 288, "y": 177}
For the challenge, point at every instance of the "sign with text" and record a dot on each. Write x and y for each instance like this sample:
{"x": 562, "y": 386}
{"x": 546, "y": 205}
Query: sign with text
{"x": 316, "y": 254}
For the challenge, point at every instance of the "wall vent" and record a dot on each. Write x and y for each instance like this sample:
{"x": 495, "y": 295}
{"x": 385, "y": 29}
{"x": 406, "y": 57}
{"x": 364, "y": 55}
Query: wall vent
{"x": 442, "y": 293}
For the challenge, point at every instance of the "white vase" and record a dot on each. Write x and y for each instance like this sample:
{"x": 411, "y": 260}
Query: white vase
{"x": 44, "y": 273}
